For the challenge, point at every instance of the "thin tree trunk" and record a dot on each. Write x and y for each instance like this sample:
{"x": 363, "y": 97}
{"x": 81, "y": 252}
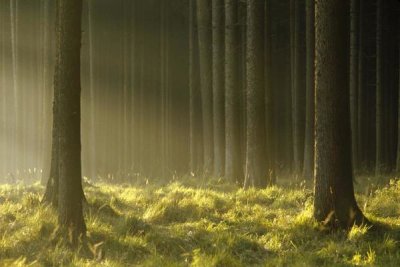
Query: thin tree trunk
{"x": 218, "y": 85}
{"x": 354, "y": 59}
{"x": 297, "y": 63}
{"x": 269, "y": 128}
{"x": 196, "y": 148}
{"x": 398, "y": 125}
{"x": 308, "y": 166}
{"x": 360, "y": 97}
{"x": 379, "y": 161}
{"x": 233, "y": 158}
{"x": 255, "y": 155}
{"x": 14, "y": 52}
{"x": 92, "y": 138}
{"x": 204, "y": 23}
{"x": 3, "y": 92}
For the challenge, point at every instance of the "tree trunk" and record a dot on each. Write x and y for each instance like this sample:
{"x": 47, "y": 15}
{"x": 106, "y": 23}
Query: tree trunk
{"x": 3, "y": 92}
{"x": 15, "y": 70}
{"x": 67, "y": 83}
{"x": 205, "y": 47}
{"x": 233, "y": 159}
{"x": 354, "y": 54}
{"x": 218, "y": 86}
{"x": 298, "y": 87}
{"x": 270, "y": 152}
{"x": 398, "y": 125}
{"x": 92, "y": 139}
{"x": 360, "y": 97}
{"x": 196, "y": 148}
{"x": 334, "y": 202}
{"x": 379, "y": 161}
{"x": 255, "y": 155}
{"x": 308, "y": 165}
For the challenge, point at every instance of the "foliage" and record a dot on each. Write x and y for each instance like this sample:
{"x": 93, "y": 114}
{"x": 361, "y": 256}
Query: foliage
{"x": 196, "y": 223}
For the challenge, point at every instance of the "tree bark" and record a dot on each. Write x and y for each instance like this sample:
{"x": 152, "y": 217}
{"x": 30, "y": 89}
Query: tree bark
{"x": 67, "y": 83}
{"x": 92, "y": 139}
{"x": 354, "y": 59}
{"x": 196, "y": 141}
{"x": 334, "y": 202}
{"x": 270, "y": 152}
{"x": 204, "y": 23}
{"x": 255, "y": 155}
{"x": 218, "y": 86}
{"x": 233, "y": 162}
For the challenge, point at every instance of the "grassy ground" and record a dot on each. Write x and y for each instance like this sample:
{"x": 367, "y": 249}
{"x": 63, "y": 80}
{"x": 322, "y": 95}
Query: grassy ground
{"x": 191, "y": 223}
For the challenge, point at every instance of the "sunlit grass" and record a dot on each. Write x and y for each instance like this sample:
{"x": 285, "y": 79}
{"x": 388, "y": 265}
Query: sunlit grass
{"x": 197, "y": 223}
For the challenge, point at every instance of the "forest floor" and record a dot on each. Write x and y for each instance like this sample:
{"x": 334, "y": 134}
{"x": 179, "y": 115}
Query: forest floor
{"x": 198, "y": 223}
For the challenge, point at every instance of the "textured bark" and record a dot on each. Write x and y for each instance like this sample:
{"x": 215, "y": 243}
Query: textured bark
{"x": 308, "y": 165}
{"x": 334, "y": 202}
{"x": 354, "y": 59}
{"x": 204, "y": 23}
{"x": 233, "y": 162}
{"x": 255, "y": 155}
{"x": 218, "y": 86}
{"x": 67, "y": 82}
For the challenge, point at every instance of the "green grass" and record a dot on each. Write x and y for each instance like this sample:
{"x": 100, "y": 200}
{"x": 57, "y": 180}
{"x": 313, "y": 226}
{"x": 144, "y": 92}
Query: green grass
{"x": 198, "y": 223}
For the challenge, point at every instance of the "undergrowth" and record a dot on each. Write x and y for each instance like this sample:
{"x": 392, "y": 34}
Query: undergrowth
{"x": 197, "y": 223}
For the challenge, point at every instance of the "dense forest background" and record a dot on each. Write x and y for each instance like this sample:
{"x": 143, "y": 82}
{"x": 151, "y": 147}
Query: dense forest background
{"x": 199, "y": 132}
{"x": 143, "y": 105}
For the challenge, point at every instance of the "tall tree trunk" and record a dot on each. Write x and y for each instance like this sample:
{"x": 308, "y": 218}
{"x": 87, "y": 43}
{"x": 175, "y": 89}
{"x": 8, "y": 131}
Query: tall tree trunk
{"x": 205, "y": 47}
{"x": 308, "y": 165}
{"x": 255, "y": 155}
{"x": 297, "y": 85}
{"x": 218, "y": 86}
{"x": 3, "y": 92}
{"x": 269, "y": 128}
{"x": 379, "y": 161}
{"x": 14, "y": 52}
{"x": 354, "y": 59}
{"x": 67, "y": 82}
{"x": 92, "y": 139}
{"x": 196, "y": 148}
{"x": 398, "y": 125}
{"x": 233, "y": 159}
{"x": 360, "y": 96}
{"x": 334, "y": 201}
